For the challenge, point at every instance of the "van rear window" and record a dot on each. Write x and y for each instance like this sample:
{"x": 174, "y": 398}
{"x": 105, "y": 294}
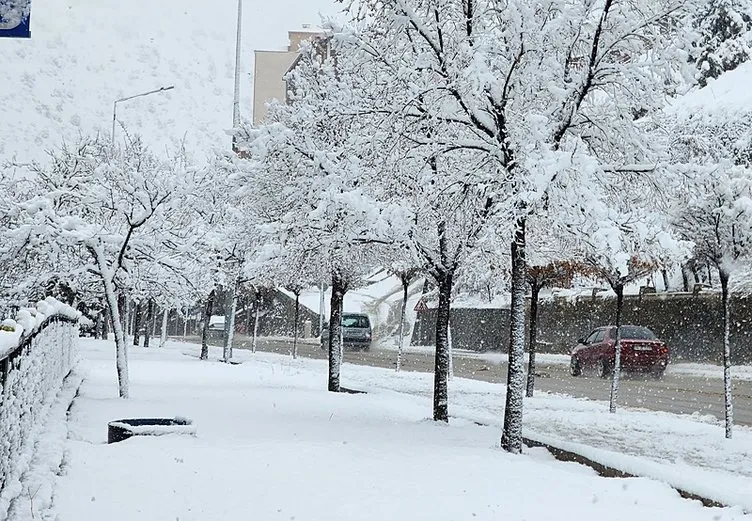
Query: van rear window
{"x": 355, "y": 321}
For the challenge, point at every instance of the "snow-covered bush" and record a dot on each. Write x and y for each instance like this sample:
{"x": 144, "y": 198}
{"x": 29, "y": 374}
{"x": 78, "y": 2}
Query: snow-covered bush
{"x": 35, "y": 357}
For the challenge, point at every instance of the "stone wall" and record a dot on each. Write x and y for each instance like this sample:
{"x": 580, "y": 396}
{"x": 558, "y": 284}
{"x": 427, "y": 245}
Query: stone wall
{"x": 690, "y": 325}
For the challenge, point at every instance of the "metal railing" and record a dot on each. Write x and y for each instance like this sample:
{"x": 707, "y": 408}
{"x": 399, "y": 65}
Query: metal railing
{"x": 30, "y": 377}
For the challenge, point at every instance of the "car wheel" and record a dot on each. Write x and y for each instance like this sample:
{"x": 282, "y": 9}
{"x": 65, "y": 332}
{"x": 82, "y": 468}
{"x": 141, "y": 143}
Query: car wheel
{"x": 657, "y": 373}
{"x": 575, "y": 368}
{"x": 602, "y": 368}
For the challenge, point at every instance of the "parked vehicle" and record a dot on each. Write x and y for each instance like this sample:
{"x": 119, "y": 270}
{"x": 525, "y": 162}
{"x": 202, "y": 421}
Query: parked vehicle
{"x": 641, "y": 351}
{"x": 217, "y": 323}
{"x": 356, "y": 331}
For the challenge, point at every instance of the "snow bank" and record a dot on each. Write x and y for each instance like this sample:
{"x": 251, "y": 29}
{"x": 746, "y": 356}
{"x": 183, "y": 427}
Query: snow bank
{"x": 31, "y": 385}
{"x": 738, "y": 372}
{"x": 157, "y": 430}
{"x": 37, "y": 484}
{"x": 29, "y": 320}
{"x": 730, "y": 94}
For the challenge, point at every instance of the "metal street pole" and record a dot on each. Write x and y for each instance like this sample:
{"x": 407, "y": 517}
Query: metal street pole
{"x": 236, "y": 94}
{"x": 114, "y": 105}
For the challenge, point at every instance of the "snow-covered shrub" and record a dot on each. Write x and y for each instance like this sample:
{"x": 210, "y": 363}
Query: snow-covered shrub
{"x": 31, "y": 373}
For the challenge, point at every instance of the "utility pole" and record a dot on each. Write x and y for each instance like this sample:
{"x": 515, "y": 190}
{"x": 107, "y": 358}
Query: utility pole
{"x": 236, "y": 95}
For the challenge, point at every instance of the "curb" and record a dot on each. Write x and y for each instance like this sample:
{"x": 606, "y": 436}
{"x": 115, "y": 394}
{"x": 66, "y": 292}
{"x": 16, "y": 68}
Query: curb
{"x": 611, "y": 472}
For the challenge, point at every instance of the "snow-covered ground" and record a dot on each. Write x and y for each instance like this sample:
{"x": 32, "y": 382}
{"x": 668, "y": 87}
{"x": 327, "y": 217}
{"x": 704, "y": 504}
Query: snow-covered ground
{"x": 85, "y": 54}
{"x": 723, "y": 97}
{"x": 738, "y": 372}
{"x": 273, "y": 444}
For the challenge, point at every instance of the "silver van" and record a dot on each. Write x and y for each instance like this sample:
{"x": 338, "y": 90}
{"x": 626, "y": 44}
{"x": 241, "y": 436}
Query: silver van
{"x": 356, "y": 332}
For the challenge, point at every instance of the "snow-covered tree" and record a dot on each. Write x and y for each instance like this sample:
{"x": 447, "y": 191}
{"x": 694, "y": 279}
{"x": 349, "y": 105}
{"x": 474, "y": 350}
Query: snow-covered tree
{"x": 308, "y": 179}
{"x": 624, "y": 235}
{"x": 713, "y": 204}
{"x": 544, "y": 95}
{"x": 724, "y": 37}
{"x": 109, "y": 207}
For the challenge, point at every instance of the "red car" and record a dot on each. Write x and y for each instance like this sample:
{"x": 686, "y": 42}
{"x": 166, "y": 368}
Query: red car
{"x": 641, "y": 351}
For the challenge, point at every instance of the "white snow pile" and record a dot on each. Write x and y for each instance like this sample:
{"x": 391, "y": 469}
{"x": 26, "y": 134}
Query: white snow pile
{"x": 30, "y": 387}
{"x": 715, "y": 122}
{"x": 29, "y": 320}
{"x": 186, "y": 428}
{"x": 274, "y": 444}
{"x": 727, "y": 95}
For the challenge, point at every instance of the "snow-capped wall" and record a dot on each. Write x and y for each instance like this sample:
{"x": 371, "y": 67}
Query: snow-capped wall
{"x": 29, "y": 381}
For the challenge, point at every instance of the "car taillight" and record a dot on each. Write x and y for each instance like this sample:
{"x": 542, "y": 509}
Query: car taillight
{"x": 664, "y": 349}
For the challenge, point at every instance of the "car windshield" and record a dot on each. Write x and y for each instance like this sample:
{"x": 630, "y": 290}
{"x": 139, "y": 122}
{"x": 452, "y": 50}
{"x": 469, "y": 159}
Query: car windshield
{"x": 637, "y": 333}
{"x": 355, "y": 321}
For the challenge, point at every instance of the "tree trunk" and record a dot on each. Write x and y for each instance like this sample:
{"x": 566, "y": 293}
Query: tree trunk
{"x": 106, "y": 324}
{"x": 710, "y": 274}
{"x": 113, "y": 303}
{"x": 122, "y": 303}
{"x": 450, "y": 345}
{"x": 98, "y": 326}
{"x": 616, "y": 371}
{"x": 533, "y": 334}
{"x": 256, "y": 306}
{"x": 163, "y": 335}
{"x": 295, "y": 327}
{"x": 511, "y": 437}
{"x": 339, "y": 287}
{"x": 441, "y": 361}
{"x": 729, "y": 409}
{"x": 208, "y": 306}
{"x": 685, "y": 277}
{"x": 405, "y": 288}
{"x": 230, "y": 308}
{"x": 322, "y": 302}
{"x": 664, "y": 272}
{"x": 137, "y": 325}
{"x": 149, "y": 323}
{"x": 248, "y": 317}
{"x": 121, "y": 346}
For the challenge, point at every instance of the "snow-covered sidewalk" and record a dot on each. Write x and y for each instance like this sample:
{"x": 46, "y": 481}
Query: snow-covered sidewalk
{"x": 688, "y": 452}
{"x": 273, "y": 444}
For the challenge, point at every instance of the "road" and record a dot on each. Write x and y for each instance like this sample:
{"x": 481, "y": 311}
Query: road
{"x": 683, "y": 394}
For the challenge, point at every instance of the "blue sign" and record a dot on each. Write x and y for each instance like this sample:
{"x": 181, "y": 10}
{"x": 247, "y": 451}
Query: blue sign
{"x": 15, "y": 28}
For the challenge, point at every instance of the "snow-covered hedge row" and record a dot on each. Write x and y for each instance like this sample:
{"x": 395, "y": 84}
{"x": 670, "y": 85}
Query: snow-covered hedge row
{"x": 37, "y": 351}
{"x": 29, "y": 320}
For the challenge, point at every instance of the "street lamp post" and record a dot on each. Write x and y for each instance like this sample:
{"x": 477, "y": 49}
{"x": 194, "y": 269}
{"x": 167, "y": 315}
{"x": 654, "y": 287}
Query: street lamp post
{"x": 236, "y": 93}
{"x": 114, "y": 105}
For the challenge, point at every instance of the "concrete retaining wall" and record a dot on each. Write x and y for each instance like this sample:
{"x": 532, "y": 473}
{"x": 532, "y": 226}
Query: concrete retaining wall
{"x": 690, "y": 325}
